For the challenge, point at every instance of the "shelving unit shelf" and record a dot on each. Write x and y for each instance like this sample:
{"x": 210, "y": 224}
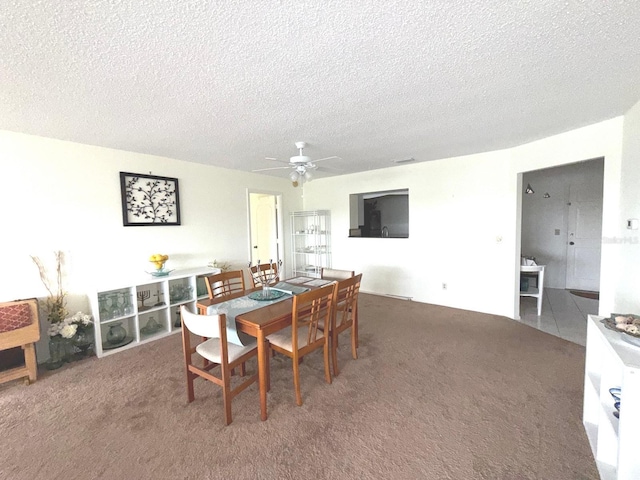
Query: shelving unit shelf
{"x": 310, "y": 242}
{"x": 612, "y": 362}
{"x": 148, "y": 309}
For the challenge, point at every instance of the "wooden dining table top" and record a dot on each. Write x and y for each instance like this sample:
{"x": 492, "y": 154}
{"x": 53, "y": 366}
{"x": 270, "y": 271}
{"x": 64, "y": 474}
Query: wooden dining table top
{"x": 262, "y": 318}
{"x": 258, "y": 319}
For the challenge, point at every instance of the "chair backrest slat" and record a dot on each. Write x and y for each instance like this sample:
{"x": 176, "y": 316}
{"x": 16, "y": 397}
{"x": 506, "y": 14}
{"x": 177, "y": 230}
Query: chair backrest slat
{"x": 309, "y": 309}
{"x": 347, "y": 299}
{"x": 336, "y": 274}
{"x": 264, "y": 273}
{"x": 225, "y": 285}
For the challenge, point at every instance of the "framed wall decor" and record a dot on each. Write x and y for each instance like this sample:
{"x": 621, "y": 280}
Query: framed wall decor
{"x": 149, "y": 200}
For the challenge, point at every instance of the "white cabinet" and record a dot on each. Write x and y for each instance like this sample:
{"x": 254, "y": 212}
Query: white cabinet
{"x": 612, "y": 362}
{"x": 538, "y": 290}
{"x": 129, "y": 314}
{"x": 310, "y": 242}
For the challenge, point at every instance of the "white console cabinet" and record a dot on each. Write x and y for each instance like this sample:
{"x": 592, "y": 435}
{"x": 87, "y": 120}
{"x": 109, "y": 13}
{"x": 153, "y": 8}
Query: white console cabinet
{"x": 612, "y": 362}
{"x": 144, "y": 309}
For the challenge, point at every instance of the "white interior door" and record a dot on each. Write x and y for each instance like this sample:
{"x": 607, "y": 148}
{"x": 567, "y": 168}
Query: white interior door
{"x": 264, "y": 228}
{"x": 584, "y": 240}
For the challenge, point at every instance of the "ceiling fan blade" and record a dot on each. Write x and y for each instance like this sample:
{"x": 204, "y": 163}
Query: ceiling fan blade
{"x": 271, "y": 168}
{"x": 277, "y": 160}
{"x": 327, "y": 158}
{"x": 327, "y": 169}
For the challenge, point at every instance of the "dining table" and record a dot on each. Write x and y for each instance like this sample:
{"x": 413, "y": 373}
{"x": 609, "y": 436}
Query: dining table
{"x": 261, "y": 322}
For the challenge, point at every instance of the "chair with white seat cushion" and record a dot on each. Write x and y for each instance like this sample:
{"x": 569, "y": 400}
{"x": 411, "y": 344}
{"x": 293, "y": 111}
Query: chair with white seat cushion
{"x": 216, "y": 351}
{"x": 304, "y": 336}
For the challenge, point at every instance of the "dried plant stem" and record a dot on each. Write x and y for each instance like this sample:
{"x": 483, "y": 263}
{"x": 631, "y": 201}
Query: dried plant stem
{"x": 55, "y": 304}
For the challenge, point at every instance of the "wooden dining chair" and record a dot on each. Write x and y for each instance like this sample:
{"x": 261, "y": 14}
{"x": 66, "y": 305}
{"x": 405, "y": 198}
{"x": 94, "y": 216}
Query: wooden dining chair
{"x": 214, "y": 348}
{"x": 264, "y": 273}
{"x": 225, "y": 285}
{"x": 345, "y": 317}
{"x": 304, "y": 336}
{"x": 335, "y": 274}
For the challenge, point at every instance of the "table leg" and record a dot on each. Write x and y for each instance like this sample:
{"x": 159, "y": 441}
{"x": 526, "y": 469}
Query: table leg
{"x": 262, "y": 373}
{"x": 540, "y": 290}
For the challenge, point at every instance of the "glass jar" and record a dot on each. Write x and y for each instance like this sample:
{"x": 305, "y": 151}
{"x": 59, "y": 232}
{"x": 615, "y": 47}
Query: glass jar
{"x": 82, "y": 341}
{"x": 116, "y": 334}
{"x": 58, "y": 352}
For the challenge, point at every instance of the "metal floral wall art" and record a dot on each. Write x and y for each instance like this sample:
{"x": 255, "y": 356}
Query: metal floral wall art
{"x": 149, "y": 200}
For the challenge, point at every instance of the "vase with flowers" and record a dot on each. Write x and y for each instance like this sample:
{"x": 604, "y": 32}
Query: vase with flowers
{"x": 73, "y": 336}
{"x": 69, "y": 336}
{"x": 55, "y": 308}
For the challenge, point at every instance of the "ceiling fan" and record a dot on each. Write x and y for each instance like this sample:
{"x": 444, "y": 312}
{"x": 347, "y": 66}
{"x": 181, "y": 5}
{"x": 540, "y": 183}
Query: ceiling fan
{"x": 301, "y": 165}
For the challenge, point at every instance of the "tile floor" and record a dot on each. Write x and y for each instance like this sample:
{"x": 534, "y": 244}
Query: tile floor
{"x": 563, "y": 314}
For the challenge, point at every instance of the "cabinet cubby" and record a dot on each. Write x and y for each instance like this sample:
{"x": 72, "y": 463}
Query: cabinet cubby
{"x": 147, "y": 309}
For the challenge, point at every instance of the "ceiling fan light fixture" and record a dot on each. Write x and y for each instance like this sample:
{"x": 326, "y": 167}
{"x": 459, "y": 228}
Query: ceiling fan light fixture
{"x": 294, "y": 176}
{"x": 300, "y": 159}
{"x": 307, "y": 175}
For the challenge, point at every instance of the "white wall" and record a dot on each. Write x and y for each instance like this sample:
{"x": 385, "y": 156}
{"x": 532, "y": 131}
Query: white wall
{"x": 623, "y": 241}
{"x": 457, "y": 209}
{"x": 464, "y": 214}
{"x": 60, "y": 195}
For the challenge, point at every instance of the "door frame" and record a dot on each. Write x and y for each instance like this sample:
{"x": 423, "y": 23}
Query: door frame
{"x": 279, "y": 223}
{"x": 518, "y": 250}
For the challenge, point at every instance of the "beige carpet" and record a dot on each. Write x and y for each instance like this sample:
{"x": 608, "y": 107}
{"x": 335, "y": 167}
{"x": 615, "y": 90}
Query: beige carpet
{"x": 437, "y": 393}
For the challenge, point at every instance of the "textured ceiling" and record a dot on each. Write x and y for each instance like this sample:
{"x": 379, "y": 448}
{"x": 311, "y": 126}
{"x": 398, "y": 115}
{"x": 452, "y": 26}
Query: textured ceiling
{"x": 229, "y": 83}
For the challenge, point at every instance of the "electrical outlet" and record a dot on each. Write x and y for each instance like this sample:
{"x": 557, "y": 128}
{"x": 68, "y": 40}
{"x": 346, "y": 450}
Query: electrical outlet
{"x": 444, "y": 286}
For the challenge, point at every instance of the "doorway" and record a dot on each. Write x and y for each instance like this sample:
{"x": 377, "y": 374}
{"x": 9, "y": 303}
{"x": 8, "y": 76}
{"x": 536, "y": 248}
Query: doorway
{"x": 561, "y": 224}
{"x": 585, "y": 238}
{"x": 265, "y": 227}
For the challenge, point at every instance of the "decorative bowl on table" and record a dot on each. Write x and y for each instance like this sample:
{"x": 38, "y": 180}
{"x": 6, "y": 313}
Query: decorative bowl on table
{"x": 160, "y": 273}
{"x": 628, "y": 324}
{"x": 158, "y": 260}
{"x": 266, "y": 294}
